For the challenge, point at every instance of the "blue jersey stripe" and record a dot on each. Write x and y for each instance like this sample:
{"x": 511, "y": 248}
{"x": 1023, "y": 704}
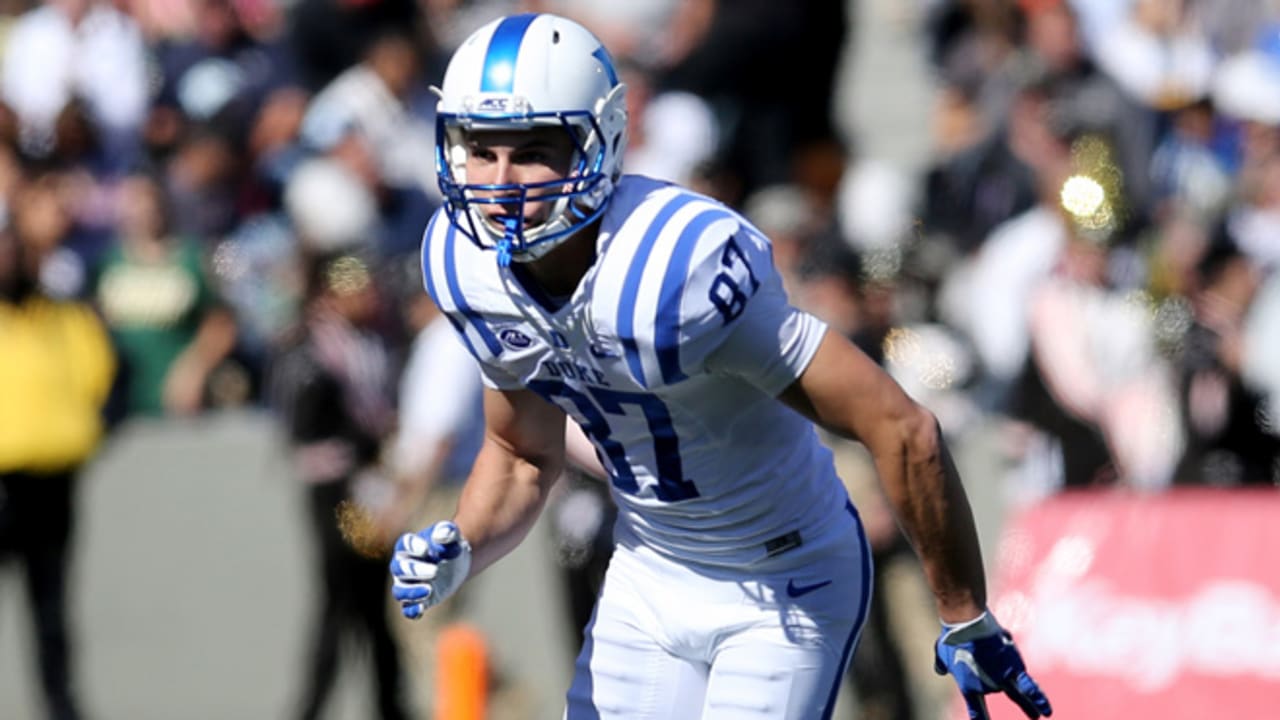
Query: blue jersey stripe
{"x": 667, "y": 323}
{"x": 428, "y": 282}
{"x": 860, "y": 620}
{"x": 499, "y": 73}
{"x": 631, "y": 286}
{"x": 460, "y": 300}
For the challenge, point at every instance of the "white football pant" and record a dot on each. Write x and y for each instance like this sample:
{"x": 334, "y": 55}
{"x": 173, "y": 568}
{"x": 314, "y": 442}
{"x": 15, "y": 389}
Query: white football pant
{"x": 670, "y": 642}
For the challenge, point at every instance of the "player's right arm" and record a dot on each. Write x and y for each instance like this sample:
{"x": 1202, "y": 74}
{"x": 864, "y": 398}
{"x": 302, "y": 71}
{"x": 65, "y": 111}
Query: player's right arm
{"x": 522, "y": 456}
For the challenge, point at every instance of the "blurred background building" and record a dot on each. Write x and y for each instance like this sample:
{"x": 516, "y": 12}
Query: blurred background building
{"x": 1055, "y": 222}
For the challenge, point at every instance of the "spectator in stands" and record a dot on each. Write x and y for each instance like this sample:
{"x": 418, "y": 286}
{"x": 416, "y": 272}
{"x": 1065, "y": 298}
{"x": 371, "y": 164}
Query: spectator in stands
{"x": 41, "y": 218}
{"x": 1261, "y": 346}
{"x": 55, "y": 377}
{"x": 1229, "y": 439}
{"x": 331, "y": 384}
{"x": 221, "y": 75}
{"x": 975, "y": 184}
{"x": 330, "y": 36}
{"x": 669, "y": 133}
{"x": 728, "y": 52}
{"x": 1159, "y": 54}
{"x": 164, "y": 316}
{"x": 987, "y": 296}
{"x": 1187, "y": 168}
{"x": 365, "y": 120}
{"x": 1255, "y": 217}
{"x": 202, "y": 180}
{"x": 66, "y": 49}
{"x": 86, "y": 175}
{"x": 1094, "y": 381}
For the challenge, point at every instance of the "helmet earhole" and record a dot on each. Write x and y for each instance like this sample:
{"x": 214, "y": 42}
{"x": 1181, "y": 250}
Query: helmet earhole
{"x": 555, "y": 36}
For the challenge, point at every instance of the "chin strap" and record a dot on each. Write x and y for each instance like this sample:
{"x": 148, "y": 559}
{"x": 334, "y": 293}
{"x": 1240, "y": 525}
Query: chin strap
{"x": 512, "y": 226}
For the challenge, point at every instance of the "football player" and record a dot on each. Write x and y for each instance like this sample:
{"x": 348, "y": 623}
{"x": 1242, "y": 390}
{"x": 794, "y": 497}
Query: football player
{"x": 654, "y": 318}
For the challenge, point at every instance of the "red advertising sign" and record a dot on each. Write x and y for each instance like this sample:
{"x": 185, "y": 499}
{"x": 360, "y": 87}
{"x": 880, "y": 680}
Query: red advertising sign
{"x": 1146, "y": 606}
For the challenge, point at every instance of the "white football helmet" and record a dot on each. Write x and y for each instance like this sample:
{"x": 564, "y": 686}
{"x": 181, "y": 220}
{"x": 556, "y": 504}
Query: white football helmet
{"x": 520, "y": 72}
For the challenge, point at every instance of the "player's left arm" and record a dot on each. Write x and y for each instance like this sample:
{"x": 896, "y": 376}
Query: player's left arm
{"x": 738, "y": 322}
{"x": 738, "y": 317}
{"x": 847, "y": 393}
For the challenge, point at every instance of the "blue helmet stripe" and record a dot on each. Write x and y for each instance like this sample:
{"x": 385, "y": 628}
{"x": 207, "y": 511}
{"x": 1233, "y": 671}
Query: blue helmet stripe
{"x": 499, "y": 71}
{"x": 631, "y": 286}
{"x": 667, "y": 324}
{"x": 451, "y": 279}
{"x": 603, "y": 56}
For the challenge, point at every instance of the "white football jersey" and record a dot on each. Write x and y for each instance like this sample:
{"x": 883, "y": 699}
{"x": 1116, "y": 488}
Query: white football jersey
{"x": 669, "y": 354}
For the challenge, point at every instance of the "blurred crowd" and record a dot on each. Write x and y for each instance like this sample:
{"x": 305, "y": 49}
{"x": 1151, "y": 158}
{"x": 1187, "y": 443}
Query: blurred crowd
{"x": 1100, "y": 227}
{"x": 237, "y": 189}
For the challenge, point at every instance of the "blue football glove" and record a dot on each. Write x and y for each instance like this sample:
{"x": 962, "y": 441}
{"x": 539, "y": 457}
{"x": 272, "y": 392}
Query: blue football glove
{"x": 428, "y": 566}
{"x": 982, "y": 658}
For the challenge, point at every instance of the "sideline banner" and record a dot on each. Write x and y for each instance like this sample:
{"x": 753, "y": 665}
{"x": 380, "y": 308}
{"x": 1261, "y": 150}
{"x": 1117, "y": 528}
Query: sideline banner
{"x": 1146, "y": 606}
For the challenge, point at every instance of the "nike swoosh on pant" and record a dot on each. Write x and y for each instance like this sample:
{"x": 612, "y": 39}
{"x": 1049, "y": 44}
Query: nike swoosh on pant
{"x": 795, "y": 591}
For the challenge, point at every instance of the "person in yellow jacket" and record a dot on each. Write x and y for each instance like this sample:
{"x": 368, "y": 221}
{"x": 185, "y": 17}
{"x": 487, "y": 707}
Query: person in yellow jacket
{"x": 56, "y": 371}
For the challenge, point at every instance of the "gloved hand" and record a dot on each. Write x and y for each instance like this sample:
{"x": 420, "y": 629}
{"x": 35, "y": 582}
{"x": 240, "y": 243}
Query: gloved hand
{"x": 428, "y": 566}
{"x": 982, "y": 658}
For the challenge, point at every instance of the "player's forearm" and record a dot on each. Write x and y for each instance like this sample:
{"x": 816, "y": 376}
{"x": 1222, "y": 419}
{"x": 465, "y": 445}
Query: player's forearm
{"x": 501, "y": 501}
{"x": 929, "y": 501}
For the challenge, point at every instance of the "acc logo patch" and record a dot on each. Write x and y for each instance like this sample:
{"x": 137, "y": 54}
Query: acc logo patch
{"x": 514, "y": 339}
{"x": 494, "y": 105}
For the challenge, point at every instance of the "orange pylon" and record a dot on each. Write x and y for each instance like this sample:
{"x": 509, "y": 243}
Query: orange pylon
{"x": 462, "y": 676}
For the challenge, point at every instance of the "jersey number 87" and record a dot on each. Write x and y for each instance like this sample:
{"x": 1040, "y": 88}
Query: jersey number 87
{"x": 593, "y": 407}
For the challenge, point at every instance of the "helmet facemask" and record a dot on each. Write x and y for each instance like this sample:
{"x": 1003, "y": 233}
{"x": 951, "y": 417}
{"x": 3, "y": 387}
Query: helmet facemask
{"x": 575, "y": 201}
